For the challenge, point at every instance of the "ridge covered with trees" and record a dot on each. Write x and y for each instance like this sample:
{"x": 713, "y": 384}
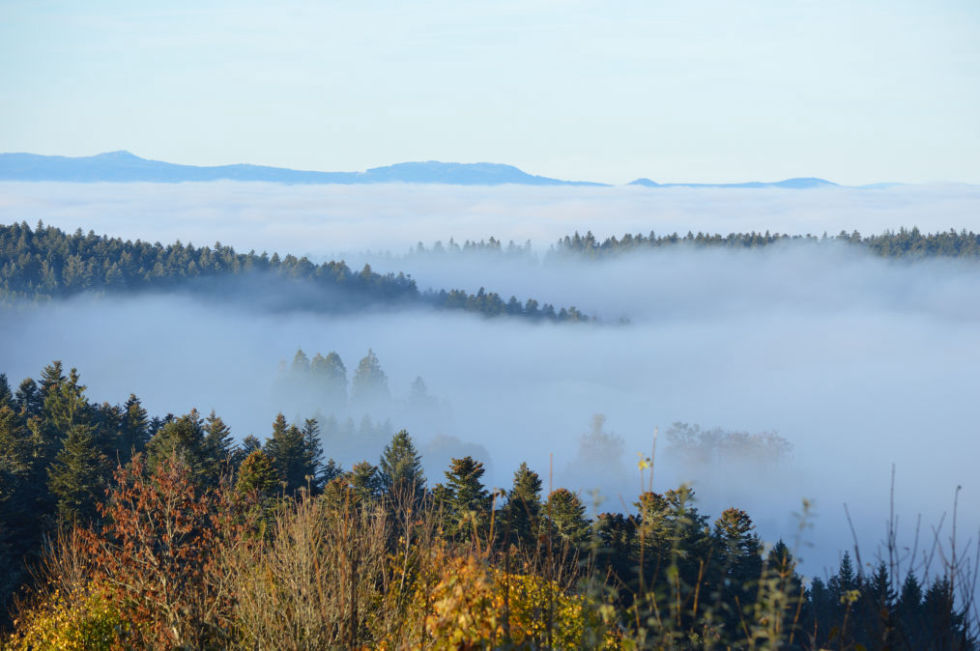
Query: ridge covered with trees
{"x": 45, "y": 262}
{"x": 126, "y": 531}
{"x": 903, "y": 243}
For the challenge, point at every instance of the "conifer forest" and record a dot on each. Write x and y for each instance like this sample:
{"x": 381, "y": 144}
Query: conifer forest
{"x": 516, "y": 325}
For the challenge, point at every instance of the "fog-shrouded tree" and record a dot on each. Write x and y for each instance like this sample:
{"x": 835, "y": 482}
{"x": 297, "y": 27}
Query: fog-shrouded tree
{"x": 329, "y": 377}
{"x": 369, "y": 386}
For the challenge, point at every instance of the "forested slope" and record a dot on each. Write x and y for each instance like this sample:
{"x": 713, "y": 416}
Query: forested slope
{"x": 46, "y": 262}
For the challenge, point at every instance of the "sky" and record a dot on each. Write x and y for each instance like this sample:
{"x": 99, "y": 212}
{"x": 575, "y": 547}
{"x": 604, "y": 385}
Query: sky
{"x": 707, "y": 91}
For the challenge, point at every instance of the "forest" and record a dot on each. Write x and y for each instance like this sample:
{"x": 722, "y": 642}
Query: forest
{"x": 123, "y": 530}
{"x": 45, "y": 263}
{"x": 904, "y": 243}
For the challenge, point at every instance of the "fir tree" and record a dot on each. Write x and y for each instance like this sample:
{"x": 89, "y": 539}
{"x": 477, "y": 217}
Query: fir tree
{"x": 402, "y": 479}
{"x": 523, "y": 510}
{"x": 257, "y": 476}
{"x": 313, "y": 452}
{"x": 217, "y": 447}
{"x": 464, "y": 498}
{"x": 79, "y": 475}
{"x": 135, "y": 428}
{"x": 330, "y": 377}
{"x": 287, "y": 450}
{"x": 566, "y": 516}
{"x": 365, "y": 480}
{"x": 370, "y": 384}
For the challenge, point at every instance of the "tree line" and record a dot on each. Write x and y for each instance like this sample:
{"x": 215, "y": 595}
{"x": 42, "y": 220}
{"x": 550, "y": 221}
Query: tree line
{"x": 904, "y": 243}
{"x": 126, "y": 531}
{"x": 45, "y": 262}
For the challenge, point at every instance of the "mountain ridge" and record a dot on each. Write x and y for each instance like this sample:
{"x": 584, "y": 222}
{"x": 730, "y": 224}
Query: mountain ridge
{"x": 123, "y": 166}
{"x": 126, "y": 167}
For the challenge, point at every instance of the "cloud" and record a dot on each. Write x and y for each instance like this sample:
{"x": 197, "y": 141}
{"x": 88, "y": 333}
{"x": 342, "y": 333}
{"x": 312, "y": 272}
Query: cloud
{"x": 858, "y": 362}
{"x": 327, "y": 220}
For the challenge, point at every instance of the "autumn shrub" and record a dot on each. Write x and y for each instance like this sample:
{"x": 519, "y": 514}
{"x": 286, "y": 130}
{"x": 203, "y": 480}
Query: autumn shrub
{"x": 158, "y": 554}
{"x": 87, "y": 619}
{"x": 316, "y": 580}
{"x": 474, "y": 605}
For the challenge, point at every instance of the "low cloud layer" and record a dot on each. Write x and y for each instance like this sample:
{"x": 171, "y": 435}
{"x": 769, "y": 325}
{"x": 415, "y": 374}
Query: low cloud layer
{"x": 858, "y": 362}
{"x": 326, "y": 220}
{"x": 854, "y": 380}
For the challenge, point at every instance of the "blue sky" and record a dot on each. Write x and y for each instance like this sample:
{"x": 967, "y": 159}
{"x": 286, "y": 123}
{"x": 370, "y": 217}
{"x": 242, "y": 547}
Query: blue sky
{"x": 696, "y": 91}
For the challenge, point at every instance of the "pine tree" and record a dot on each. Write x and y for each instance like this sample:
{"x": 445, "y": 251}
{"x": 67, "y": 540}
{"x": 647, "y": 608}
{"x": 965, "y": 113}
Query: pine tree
{"x": 330, "y": 376}
{"x": 365, "y": 480}
{"x": 878, "y": 618}
{"x": 80, "y": 470}
{"x": 257, "y": 476}
{"x": 287, "y": 451}
{"x": 738, "y": 559}
{"x": 523, "y": 510}
{"x": 217, "y": 447}
{"x": 370, "y": 384}
{"x": 313, "y": 451}
{"x": 465, "y": 500}
{"x": 79, "y": 475}
{"x": 402, "y": 478}
{"x": 27, "y": 400}
{"x": 300, "y": 367}
{"x": 566, "y": 516}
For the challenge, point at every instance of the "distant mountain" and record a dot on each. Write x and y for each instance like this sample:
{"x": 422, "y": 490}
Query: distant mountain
{"x": 122, "y": 166}
{"x": 804, "y": 183}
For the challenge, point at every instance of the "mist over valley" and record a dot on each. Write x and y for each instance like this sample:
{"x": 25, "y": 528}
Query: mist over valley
{"x": 855, "y": 361}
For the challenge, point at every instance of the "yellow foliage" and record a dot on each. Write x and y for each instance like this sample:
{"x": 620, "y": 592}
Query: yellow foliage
{"x": 474, "y": 606}
{"x": 78, "y": 622}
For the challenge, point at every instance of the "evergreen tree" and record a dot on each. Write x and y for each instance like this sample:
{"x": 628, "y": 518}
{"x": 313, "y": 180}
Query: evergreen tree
{"x": 909, "y": 615}
{"x": 300, "y": 367}
{"x": 288, "y": 453}
{"x": 402, "y": 479}
{"x": 877, "y": 618}
{"x": 464, "y": 498}
{"x": 313, "y": 451}
{"x": 566, "y": 516}
{"x": 257, "y": 476}
{"x": 183, "y": 439}
{"x": 19, "y": 527}
{"x": 370, "y": 384}
{"x": 27, "y": 400}
{"x": 6, "y": 395}
{"x": 79, "y": 475}
{"x": 135, "y": 429}
{"x": 80, "y": 469}
{"x": 217, "y": 447}
{"x": 366, "y": 481}
{"x": 737, "y": 563}
{"x": 522, "y": 513}
{"x": 330, "y": 377}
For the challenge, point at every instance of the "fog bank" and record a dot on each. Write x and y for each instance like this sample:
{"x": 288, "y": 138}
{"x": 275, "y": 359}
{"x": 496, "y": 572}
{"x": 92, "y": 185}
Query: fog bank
{"x": 327, "y": 220}
{"x": 856, "y": 361}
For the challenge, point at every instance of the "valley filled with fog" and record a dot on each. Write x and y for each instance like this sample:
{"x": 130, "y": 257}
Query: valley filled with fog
{"x": 852, "y": 362}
